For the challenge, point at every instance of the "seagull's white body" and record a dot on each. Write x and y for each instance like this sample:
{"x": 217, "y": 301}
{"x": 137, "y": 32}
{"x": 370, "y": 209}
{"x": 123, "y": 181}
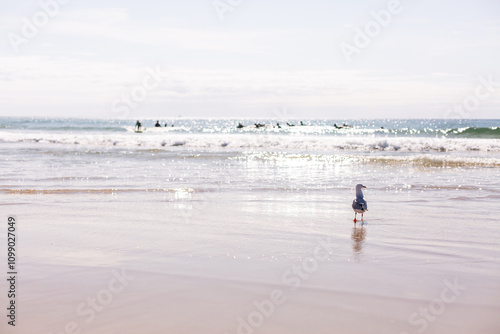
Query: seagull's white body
{"x": 359, "y": 204}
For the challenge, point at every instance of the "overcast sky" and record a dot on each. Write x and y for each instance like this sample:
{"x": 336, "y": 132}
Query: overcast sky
{"x": 250, "y": 58}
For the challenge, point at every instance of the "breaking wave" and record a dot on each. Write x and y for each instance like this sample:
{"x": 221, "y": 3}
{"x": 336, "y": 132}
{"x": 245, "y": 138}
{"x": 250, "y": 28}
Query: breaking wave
{"x": 264, "y": 142}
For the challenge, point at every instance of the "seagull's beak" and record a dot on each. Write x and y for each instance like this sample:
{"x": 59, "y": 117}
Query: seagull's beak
{"x": 363, "y": 187}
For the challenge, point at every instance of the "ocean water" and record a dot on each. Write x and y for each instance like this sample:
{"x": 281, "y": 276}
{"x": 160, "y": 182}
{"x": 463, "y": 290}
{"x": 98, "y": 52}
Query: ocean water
{"x": 201, "y": 152}
{"x": 210, "y": 218}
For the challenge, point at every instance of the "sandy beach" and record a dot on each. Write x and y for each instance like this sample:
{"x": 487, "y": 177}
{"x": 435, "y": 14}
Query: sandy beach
{"x": 116, "y": 271}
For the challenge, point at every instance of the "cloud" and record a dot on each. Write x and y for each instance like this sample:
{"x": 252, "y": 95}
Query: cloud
{"x": 87, "y": 57}
{"x": 35, "y": 81}
{"x": 116, "y": 24}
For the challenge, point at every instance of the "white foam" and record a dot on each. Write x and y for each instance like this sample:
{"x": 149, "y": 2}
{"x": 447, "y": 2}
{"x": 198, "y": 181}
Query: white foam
{"x": 245, "y": 141}
{"x": 159, "y": 129}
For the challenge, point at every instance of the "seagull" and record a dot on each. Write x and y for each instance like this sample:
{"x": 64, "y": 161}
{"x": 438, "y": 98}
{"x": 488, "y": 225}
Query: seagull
{"x": 359, "y": 204}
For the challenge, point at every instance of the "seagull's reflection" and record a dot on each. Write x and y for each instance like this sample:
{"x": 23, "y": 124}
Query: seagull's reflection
{"x": 358, "y": 238}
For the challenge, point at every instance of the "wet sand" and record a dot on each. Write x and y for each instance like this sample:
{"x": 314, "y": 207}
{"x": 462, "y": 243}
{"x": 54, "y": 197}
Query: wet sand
{"x": 192, "y": 262}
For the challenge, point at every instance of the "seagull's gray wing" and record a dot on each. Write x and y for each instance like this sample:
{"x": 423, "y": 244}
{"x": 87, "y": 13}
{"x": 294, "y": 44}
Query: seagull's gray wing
{"x": 364, "y": 205}
{"x": 359, "y": 204}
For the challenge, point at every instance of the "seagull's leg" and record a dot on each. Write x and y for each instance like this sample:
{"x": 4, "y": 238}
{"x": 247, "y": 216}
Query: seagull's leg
{"x": 355, "y": 214}
{"x": 362, "y": 213}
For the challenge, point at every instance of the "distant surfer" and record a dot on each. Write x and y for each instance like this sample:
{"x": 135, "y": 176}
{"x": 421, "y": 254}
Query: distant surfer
{"x": 239, "y": 126}
{"x": 278, "y": 125}
{"x": 338, "y": 127}
{"x": 157, "y": 125}
{"x": 302, "y": 123}
{"x": 290, "y": 124}
{"x": 138, "y": 126}
{"x": 166, "y": 124}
